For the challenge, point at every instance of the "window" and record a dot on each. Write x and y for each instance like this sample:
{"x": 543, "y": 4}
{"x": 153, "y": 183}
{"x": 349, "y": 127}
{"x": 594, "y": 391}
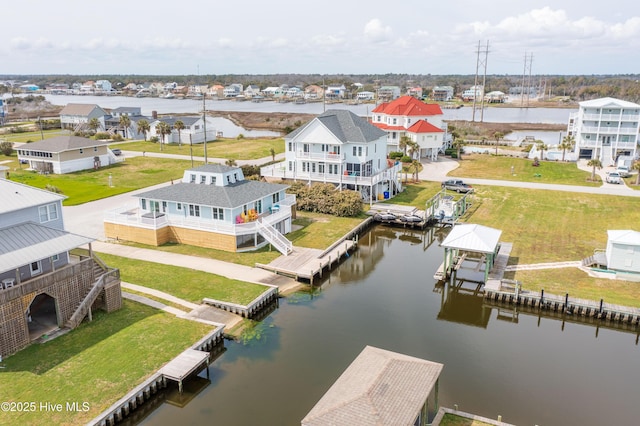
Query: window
{"x": 35, "y": 268}
{"x": 354, "y": 151}
{"x": 276, "y": 197}
{"x": 359, "y": 151}
{"x": 305, "y": 147}
{"x": 213, "y": 180}
{"x": 143, "y": 202}
{"x": 193, "y": 178}
{"x": 290, "y": 146}
{"x": 55, "y": 257}
{"x": 259, "y": 206}
{"x": 48, "y": 213}
{"x": 81, "y": 151}
{"x": 194, "y": 210}
{"x": 164, "y": 206}
{"x": 179, "y": 206}
{"x": 235, "y": 177}
{"x": 228, "y": 179}
{"x": 95, "y": 149}
{"x": 290, "y": 166}
{"x": 218, "y": 213}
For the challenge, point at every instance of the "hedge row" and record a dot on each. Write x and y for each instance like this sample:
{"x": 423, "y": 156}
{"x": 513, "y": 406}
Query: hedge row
{"x": 324, "y": 198}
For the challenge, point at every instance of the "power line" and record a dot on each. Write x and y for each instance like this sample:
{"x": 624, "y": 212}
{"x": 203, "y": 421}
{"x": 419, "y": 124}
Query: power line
{"x": 480, "y": 63}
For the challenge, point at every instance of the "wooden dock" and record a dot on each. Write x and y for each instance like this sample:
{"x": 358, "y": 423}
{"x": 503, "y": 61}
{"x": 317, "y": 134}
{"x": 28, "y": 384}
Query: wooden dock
{"x": 184, "y": 365}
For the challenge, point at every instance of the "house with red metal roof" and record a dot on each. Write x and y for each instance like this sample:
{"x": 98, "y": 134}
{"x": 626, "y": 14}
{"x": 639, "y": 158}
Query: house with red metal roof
{"x": 421, "y": 122}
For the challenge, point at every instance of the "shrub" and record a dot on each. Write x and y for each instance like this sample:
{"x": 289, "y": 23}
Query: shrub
{"x": 394, "y": 155}
{"x": 323, "y": 198}
{"x": 52, "y": 188}
{"x": 405, "y": 159}
{"x": 6, "y": 148}
{"x": 117, "y": 137}
{"x": 154, "y": 139}
{"x": 250, "y": 170}
{"x": 102, "y": 135}
{"x": 240, "y": 136}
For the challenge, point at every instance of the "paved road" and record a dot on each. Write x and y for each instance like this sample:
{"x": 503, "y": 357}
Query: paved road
{"x": 444, "y": 169}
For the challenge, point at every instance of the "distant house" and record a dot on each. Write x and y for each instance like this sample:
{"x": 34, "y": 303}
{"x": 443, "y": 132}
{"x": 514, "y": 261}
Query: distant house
{"x": 103, "y": 86}
{"x": 232, "y": 90}
{"x": 193, "y": 131}
{"x": 213, "y": 206}
{"x": 421, "y": 122}
{"x": 113, "y": 125}
{"x": 77, "y": 116}
{"x": 474, "y": 92}
{"x": 335, "y": 91}
{"x": 382, "y": 388}
{"x": 605, "y": 129}
{"x": 388, "y": 93}
{"x": 495, "y": 97}
{"x": 66, "y": 154}
{"x": 251, "y": 91}
{"x": 43, "y": 286}
{"x": 365, "y": 96}
{"x": 340, "y": 148}
{"x": 442, "y": 93}
{"x": 216, "y": 91}
{"x": 416, "y": 92}
{"x": 623, "y": 251}
{"x": 313, "y": 91}
{"x": 29, "y": 88}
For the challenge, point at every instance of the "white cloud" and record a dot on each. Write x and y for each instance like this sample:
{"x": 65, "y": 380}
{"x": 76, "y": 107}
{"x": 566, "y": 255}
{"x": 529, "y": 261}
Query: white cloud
{"x": 327, "y": 40}
{"x": 376, "y": 32}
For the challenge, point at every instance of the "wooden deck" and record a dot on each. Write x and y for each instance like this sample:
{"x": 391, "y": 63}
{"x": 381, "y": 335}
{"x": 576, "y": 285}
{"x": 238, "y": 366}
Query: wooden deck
{"x": 184, "y": 364}
{"x": 307, "y": 263}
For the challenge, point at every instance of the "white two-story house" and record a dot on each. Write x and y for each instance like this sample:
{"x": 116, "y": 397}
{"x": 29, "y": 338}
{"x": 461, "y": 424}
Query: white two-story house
{"x": 605, "y": 129}
{"x": 193, "y": 132}
{"x": 408, "y": 116}
{"x": 341, "y": 148}
{"x": 214, "y": 207}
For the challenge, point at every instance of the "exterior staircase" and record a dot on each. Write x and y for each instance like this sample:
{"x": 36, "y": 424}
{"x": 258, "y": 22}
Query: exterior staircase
{"x": 84, "y": 307}
{"x": 598, "y": 259}
{"x": 271, "y": 234}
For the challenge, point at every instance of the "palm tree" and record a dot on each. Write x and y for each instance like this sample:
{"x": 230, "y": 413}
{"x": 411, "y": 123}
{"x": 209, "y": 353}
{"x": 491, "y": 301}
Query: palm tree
{"x": 412, "y": 148}
{"x": 143, "y": 127}
{"x": 416, "y": 168}
{"x": 163, "y": 129}
{"x": 636, "y": 167}
{"x": 458, "y": 143}
{"x": 542, "y": 147}
{"x": 94, "y": 124}
{"x": 179, "y": 126}
{"x": 273, "y": 154}
{"x": 404, "y": 143}
{"x": 497, "y": 136}
{"x": 594, "y": 163}
{"x": 231, "y": 162}
{"x": 568, "y": 142}
{"x": 125, "y": 122}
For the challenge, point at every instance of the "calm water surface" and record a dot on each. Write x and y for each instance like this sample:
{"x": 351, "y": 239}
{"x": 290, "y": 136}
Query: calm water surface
{"x": 530, "y": 371}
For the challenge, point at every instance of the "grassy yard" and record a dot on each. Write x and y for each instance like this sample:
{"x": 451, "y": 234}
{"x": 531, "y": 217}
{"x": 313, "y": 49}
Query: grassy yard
{"x": 319, "y": 230}
{"x": 579, "y": 284}
{"x": 33, "y": 136}
{"x": 235, "y": 149}
{"x": 97, "y": 363}
{"x": 482, "y": 166}
{"x": 91, "y": 185}
{"x": 453, "y": 420}
{"x": 187, "y": 284}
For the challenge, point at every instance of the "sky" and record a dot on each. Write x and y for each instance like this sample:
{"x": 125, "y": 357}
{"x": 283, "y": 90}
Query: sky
{"x": 186, "y": 37}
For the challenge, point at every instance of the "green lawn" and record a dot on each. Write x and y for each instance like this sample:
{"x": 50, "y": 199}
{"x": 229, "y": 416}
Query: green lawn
{"x": 97, "y": 363}
{"x": 184, "y": 283}
{"x": 453, "y": 420}
{"x": 33, "y": 136}
{"x": 91, "y": 185}
{"x": 235, "y": 149}
{"x": 482, "y": 166}
{"x": 319, "y": 230}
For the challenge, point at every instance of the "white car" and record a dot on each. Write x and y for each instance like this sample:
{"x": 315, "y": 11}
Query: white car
{"x": 623, "y": 171}
{"x": 614, "y": 177}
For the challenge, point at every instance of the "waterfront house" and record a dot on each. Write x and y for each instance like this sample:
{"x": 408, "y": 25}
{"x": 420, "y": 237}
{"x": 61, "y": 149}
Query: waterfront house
{"x": 216, "y": 91}
{"x": 442, "y": 93}
{"x": 43, "y": 285}
{"x": 251, "y": 90}
{"x": 408, "y": 116}
{"x": 340, "y": 148}
{"x": 214, "y": 207}
{"x": 380, "y": 387}
{"x": 365, "y": 96}
{"x": 335, "y": 91}
{"x": 66, "y": 154}
{"x": 605, "y": 129}
{"x": 193, "y": 131}
{"x": 76, "y": 117}
{"x": 313, "y": 91}
{"x": 233, "y": 90}
{"x": 113, "y": 125}
{"x": 388, "y": 93}
{"x": 416, "y": 92}
{"x": 474, "y": 92}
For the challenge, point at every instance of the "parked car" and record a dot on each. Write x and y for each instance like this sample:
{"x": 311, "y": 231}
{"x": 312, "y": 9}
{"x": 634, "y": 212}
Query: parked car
{"x": 116, "y": 151}
{"x": 456, "y": 185}
{"x": 623, "y": 171}
{"x": 411, "y": 218}
{"x": 614, "y": 177}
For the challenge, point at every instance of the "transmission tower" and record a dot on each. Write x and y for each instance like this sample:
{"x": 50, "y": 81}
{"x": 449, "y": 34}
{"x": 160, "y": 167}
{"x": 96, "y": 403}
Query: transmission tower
{"x": 480, "y": 62}
{"x": 526, "y": 78}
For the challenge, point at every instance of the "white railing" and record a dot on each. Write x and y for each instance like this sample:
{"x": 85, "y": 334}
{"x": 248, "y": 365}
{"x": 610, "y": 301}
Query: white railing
{"x": 619, "y": 145}
{"x": 326, "y": 156}
{"x": 610, "y": 130}
{"x": 281, "y": 172}
{"x": 271, "y": 234}
{"x": 611, "y": 117}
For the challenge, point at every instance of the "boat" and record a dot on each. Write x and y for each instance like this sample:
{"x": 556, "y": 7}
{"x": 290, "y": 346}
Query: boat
{"x": 169, "y": 96}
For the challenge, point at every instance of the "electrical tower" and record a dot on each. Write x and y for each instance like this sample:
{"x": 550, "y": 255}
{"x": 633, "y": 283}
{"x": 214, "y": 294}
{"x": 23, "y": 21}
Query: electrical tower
{"x": 480, "y": 62}
{"x": 528, "y": 60}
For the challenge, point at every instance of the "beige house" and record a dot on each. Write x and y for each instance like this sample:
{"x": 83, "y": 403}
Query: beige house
{"x": 78, "y": 116}
{"x": 66, "y": 154}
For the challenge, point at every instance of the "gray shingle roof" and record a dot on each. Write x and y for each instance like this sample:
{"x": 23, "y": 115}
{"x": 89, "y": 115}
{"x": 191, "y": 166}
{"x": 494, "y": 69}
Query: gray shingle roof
{"x": 230, "y": 196}
{"x": 188, "y": 121}
{"x": 379, "y": 388}
{"x": 17, "y": 196}
{"x": 78, "y": 109}
{"x": 214, "y": 168}
{"x": 29, "y": 242}
{"x": 346, "y": 126}
{"x": 63, "y": 143}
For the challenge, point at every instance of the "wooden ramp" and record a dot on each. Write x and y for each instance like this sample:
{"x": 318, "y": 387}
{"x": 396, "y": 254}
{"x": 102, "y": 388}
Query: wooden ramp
{"x": 184, "y": 364}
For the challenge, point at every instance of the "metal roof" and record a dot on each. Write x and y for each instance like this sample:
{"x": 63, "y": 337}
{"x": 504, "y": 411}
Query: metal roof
{"x": 229, "y": 196}
{"x": 627, "y": 237}
{"x": 214, "y": 168}
{"x": 29, "y": 242}
{"x": 345, "y": 126}
{"x": 604, "y": 102}
{"x": 379, "y": 388}
{"x": 472, "y": 237}
{"x": 80, "y": 109}
{"x": 18, "y": 196}
{"x": 63, "y": 143}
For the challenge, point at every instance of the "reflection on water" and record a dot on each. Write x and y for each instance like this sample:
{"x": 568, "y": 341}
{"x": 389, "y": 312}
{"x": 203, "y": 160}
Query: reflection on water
{"x": 530, "y": 370}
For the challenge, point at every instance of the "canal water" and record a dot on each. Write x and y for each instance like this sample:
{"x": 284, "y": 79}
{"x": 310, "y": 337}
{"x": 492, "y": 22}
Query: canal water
{"x": 530, "y": 370}
{"x": 168, "y": 106}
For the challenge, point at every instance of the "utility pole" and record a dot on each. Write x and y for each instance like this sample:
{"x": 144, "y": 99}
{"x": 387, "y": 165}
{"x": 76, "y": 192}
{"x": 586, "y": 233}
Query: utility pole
{"x": 204, "y": 120}
{"x": 483, "y": 63}
{"x": 528, "y": 59}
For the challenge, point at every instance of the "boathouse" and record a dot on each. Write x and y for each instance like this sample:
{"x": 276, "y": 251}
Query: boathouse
{"x": 623, "y": 251}
{"x": 380, "y": 387}
{"x": 465, "y": 242}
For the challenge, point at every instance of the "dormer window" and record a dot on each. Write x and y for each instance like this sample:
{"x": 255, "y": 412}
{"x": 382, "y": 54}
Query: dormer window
{"x": 203, "y": 179}
{"x": 228, "y": 179}
{"x": 235, "y": 177}
{"x": 213, "y": 180}
{"x": 193, "y": 178}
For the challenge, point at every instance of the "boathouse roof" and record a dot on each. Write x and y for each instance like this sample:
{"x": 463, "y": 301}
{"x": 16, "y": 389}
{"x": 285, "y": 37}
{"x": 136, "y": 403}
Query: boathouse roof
{"x": 472, "y": 237}
{"x": 380, "y": 387}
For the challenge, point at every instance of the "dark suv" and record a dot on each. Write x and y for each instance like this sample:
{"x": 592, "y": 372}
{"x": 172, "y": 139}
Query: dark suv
{"x": 456, "y": 185}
